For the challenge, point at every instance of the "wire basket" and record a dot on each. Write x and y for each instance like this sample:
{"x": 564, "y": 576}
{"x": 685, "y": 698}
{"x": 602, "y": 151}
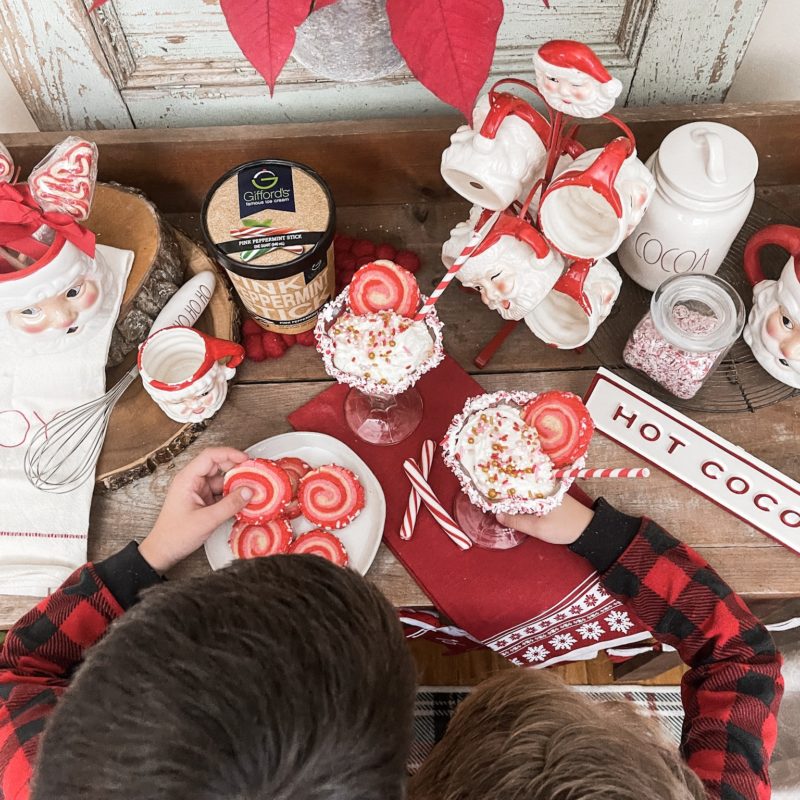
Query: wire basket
{"x": 739, "y": 383}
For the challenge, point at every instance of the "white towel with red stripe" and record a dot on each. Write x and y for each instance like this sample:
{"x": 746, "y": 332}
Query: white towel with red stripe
{"x": 43, "y": 536}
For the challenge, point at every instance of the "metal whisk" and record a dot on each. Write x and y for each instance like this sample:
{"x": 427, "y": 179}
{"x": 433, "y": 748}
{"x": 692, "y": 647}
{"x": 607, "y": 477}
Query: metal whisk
{"x": 62, "y": 455}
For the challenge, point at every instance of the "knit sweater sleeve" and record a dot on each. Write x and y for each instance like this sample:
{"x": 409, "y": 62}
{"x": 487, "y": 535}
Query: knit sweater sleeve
{"x": 732, "y": 692}
{"x": 43, "y": 649}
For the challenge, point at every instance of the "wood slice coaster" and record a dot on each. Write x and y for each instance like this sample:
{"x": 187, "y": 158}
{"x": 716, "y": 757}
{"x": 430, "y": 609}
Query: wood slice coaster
{"x": 140, "y": 436}
{"x": 123, "y": 217}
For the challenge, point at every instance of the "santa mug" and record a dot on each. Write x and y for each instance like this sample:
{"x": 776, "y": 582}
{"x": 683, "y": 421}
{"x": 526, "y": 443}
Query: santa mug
{"x": 513, "y": 268}
{"x": 591, "y": 207}
{"x": 573, "y": 80}
{"x": 182, "y": 371}
{"x": 56, "y": 303}
{"x": 499, "y": 157}
{"x": 579, "y": 303}
{"x": 773, "y": 327}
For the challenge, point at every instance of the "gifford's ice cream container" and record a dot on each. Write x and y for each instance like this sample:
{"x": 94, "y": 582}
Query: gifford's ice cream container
{"x": 270, "y": 225}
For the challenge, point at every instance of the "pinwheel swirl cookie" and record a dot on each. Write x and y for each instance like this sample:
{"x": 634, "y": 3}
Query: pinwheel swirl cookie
{"x": 505, "y": 449}
{"x": 368, "y": 338}
{"x": 330, "y": 497}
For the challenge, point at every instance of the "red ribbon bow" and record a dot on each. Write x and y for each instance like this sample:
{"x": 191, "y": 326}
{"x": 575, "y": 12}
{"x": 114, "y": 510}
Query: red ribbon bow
{"x": 21, "y": 217}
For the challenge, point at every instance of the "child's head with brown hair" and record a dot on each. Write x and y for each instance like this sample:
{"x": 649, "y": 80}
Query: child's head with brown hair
{"x": 276, "y": 678}
{"x": 524, "y": 735}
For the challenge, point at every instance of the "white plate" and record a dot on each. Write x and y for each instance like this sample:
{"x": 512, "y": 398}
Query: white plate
{"x": 361, "y": 538}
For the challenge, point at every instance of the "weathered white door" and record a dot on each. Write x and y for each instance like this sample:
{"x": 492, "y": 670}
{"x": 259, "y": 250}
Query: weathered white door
{"x": 144, "y": 63}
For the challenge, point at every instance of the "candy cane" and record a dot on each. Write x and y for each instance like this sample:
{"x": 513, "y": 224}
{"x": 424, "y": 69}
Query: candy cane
{"x": 445, "y": 521}
{"x": 628, "y": 472}
{"x": 476, "y": 238}
{"x": 414, "y": 499}
{"x": 247, "y": 232}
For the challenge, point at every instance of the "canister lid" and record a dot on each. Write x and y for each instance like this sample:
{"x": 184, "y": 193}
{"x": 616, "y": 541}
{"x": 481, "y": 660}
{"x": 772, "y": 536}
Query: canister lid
{"x": 707, "y": 160}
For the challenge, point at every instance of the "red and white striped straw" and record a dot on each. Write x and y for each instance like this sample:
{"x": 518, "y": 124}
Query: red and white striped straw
{"x": 414, "y": 499}
{"x": 476, "y": 238}
{"x": 622, "y": 472}
{"x": 445, "y": 521}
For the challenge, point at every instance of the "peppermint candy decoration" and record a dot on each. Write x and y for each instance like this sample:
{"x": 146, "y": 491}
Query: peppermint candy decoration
{"x": 330, "y": 496}
{"x": 321, "y": 543}
{"x": 271, "y": 487}
{"x": 295, "y": 468}
{"x": 384, "y": 286}
{"x": 563, "y": 423}
{"x": 252, "y": 540}
{"x": 6, "y": 165}
{"x": 64, "y": 181}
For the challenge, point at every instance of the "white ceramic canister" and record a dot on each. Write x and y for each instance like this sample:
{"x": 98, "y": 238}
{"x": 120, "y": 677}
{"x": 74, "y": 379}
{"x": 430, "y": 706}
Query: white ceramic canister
{"x": 704, "y": 174}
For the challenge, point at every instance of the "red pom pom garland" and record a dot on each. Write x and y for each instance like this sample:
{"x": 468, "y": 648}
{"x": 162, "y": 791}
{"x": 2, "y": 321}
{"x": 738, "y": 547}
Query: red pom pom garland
{"x": 330, "y": 496}
{"x": 271, "y": 487}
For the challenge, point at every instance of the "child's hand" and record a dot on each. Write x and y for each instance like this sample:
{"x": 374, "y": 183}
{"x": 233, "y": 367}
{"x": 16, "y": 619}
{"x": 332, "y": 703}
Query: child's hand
{"x": 563, "y": 525}
{"x": 192, "y": 510}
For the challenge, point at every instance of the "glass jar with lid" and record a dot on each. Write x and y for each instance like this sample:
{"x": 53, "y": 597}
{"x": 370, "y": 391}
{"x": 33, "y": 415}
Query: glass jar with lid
{"x": 692, "y": 323}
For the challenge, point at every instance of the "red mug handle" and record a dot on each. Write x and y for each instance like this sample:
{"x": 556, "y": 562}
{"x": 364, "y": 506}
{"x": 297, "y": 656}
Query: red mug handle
{"x": 785, "y": 236}
{"x": 217, "y": 349}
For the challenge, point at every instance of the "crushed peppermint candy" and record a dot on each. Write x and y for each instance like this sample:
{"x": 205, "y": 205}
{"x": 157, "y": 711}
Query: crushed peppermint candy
{"x": 518, "y": 477}
{"x": 681, "y": 372}
{"x": 379, "y": 354}
{"x": 382, "y": 346}
{"x": 504, "y": 456}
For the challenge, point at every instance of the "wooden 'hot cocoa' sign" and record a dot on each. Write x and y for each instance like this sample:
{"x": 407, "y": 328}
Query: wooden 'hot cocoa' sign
{"x": 697, "y": 457}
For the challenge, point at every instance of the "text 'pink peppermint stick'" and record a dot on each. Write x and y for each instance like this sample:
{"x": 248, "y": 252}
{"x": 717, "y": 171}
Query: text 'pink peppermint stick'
{"x": 621, "y": 472}
{"x": 476, "y": 238}
{"x": 445, "y": 521}
{"x": 414, "y": 499}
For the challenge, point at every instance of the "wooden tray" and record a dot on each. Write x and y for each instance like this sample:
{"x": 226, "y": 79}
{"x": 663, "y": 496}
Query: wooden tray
{"x": 140, "y": 436}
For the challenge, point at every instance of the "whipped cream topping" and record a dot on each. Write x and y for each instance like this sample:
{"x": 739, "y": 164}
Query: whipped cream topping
{"x": 383, "y": 347}
{"x": 503, "y": 456}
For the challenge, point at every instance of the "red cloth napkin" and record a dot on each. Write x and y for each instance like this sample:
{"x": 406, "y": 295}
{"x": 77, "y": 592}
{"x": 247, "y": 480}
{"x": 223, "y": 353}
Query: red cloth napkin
{"x": 536, "y": 603}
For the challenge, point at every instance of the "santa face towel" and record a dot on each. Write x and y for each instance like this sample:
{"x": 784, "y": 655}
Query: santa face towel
{"x": 55, "y": 333}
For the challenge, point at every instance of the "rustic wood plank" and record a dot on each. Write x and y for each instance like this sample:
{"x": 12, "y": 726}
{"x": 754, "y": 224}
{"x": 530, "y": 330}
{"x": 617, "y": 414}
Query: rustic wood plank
{"x": 753, "y": 564}
{"x": 56, "y": 63}
{"x": 422, "y": 227}
{"x": 646, "y": 666}
{"x": 693, "y": 50}
{"x": 374, "y": 162}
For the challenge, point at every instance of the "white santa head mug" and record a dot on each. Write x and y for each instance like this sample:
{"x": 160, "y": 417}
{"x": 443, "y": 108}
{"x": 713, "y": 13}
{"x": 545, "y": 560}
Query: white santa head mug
{"x": 182, "y": 371}
{"x": 579, "y": 303}
{"x": 513, "y": 268}
{"x": 773, "y": 326}
{"x": 573, "y": 80}
{"x": 499, "y": 157}
{"x": 592, "y": 206}
{"x": 56, "y": 303}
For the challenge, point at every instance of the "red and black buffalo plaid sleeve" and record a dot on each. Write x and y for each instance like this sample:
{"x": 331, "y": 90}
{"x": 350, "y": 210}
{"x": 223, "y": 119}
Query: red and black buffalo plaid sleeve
{"x": 732, "y": 692}
{"x": 44, "y": 648}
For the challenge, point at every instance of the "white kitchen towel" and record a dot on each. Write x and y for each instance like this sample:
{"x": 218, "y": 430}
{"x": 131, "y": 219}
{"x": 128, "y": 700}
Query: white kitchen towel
{"x": 43, "y": 535}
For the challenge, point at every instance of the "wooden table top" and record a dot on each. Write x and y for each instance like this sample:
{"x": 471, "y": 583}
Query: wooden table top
{"x": 266, "y": 393}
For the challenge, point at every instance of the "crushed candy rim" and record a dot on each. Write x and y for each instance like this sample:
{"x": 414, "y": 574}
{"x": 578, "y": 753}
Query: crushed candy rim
{"x": 327, "y": 349}
{"x": 512, "y": 505}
